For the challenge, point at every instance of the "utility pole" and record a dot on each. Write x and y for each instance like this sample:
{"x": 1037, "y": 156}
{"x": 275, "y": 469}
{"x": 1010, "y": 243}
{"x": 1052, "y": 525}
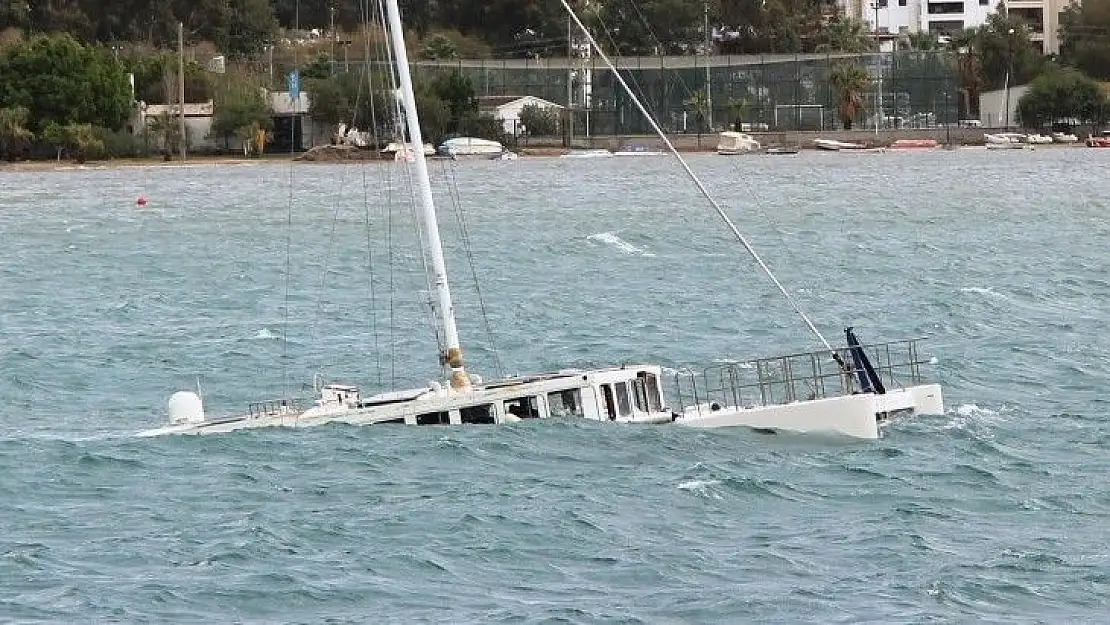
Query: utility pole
{"x": 1009, "y": 70}
{"x": 332, "y": 11}
{"x": 181, "y": 82}
{"x": 708, "y": 81}
{"x": 879, "y": 82}
{"x": 569, "y": 132}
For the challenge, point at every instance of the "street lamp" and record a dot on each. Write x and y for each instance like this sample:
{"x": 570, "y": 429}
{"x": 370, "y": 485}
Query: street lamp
{"x": 879, "y": 83}
{"x": 1009, "y": 70}
{"x": 269, "y": 48}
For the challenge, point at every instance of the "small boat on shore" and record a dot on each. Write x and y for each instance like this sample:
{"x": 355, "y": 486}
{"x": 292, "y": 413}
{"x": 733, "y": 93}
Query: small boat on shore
{"x": 1099, "y": 142}
{"x": 732, "y": 143}
{"x": 1005, "y": 141}
{"x": 470, "y": 146}
{"x": 638, "y": 149}
{"x": 833, "y": 145}
{"x": 782, "y": 150}
{"x": 914, "y": 144}
{"x": 591, "y": 153}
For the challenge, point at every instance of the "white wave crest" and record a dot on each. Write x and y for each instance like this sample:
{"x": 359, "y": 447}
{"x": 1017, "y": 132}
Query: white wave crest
{"x": 965, "y": 415}
{"x": 611, "y": 238}
{"x": 265, "y": 334}
{"x": 701, "y": 487}
{"x": 982, "y": 290}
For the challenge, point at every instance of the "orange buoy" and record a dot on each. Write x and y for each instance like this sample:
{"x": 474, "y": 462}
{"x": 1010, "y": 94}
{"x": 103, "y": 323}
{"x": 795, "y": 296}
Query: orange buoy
{"x": 141, "y": 201}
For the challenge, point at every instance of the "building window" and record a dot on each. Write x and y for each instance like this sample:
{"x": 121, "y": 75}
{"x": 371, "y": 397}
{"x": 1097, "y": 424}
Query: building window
{"x": 901, "y": 3}
{"x": 984, "y": 3}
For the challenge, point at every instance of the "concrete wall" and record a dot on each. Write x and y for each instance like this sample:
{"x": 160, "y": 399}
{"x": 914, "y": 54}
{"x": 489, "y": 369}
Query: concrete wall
{"x": 804, "y": 139}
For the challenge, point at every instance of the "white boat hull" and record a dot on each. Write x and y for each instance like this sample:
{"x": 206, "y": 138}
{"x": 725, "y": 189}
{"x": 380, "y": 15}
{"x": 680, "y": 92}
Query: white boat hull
{"x": 858, "y": 416}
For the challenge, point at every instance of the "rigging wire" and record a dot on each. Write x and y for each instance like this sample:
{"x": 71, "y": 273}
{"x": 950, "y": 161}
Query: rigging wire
{"x": 366, "y": 19}
{"x": 464, "y": 233}
{"x": 744, "y": 180}
{"x": 415, "y": 221}
{"x": 289, "y": 236}
{"x": 701, "y": 187}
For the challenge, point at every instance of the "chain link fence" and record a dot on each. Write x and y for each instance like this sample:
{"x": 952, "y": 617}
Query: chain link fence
{"x": 696, "y": 93}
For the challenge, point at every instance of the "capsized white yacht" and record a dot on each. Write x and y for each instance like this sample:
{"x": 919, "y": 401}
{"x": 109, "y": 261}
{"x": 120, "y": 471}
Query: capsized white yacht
{"x": 850, "y": 396}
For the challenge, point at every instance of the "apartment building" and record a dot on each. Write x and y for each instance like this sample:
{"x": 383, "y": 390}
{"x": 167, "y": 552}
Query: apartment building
{"x": 946, "y": 17}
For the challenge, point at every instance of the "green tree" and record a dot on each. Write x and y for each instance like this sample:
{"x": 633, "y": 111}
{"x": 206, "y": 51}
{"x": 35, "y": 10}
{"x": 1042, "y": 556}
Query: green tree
{"x": 318, "y": 68}
{"x": 648, "y": 27}
{"x": 239, "y": 107}
{"x": 57, "y": 136}
{"x": 1006, "y": 50}
{"x": 435, "y": 115}
{"x": 919, "y": 42}
{"x": 439, "y": 47}
{"x": 86, "y": 143}
{"x": 849, "y": 80}
{"x": 81, "y": 140}
{"x": 457, "y": 91}
{"x": 1085, "y": 37}
{"x": 57, "y": 79}
{"x": 1061, "y": 94}
{"x": 329, "y": 104}
{"x": 539, "y": 121}
{"x": 845, "y": 34}
{"x": 13, "y": 130}
{"x": 762, "y": 26}
{"x": 167, "y": 130}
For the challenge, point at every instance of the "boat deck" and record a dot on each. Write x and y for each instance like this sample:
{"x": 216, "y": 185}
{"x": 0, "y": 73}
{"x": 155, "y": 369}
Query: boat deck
{"x": 796, "y": 377}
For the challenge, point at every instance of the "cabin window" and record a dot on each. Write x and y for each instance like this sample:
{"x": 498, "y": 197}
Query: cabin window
{"x": 566, "y": 403}
{"x": 651, "y": 390}
{"x": 477, "y": 414}
{"x": 433, "y": 418}
{"x": 397, "y": 420}
{"x": 639, "y": 395}
{"x": 624, "y": 405}
{"x": 523, "y": 407}
{"x": 607, "y": 397}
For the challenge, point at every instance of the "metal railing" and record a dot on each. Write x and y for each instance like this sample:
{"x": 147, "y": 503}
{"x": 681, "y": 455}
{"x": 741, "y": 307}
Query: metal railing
{"x": 796, "y": 377}
{"x": 273, "y": 407}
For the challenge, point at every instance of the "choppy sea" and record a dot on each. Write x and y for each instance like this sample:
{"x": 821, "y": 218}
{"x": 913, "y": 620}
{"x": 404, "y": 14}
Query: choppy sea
{"x": 251, "y": 279}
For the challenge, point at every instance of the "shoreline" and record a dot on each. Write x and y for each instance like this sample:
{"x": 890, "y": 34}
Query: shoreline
{"x": 524, "y": 152}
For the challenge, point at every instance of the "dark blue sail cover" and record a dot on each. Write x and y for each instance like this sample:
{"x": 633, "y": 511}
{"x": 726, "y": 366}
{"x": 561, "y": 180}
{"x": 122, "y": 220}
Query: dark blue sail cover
{"x": 868, "y": 380}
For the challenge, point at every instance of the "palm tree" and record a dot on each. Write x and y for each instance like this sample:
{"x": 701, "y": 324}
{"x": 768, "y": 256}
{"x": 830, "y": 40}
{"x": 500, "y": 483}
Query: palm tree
{"x": 969, "y": 64}
{"x": 13, "y": 129}
{"x": 849, "y": 80}
{"x": 699, "y": 102}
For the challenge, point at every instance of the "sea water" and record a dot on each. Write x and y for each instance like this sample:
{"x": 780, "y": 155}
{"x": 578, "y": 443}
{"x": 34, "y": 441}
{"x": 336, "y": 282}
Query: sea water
{"x": 252, "y": 279}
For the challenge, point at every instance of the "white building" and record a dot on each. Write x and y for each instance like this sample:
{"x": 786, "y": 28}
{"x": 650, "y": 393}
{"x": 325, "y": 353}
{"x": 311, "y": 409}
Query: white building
{"x": 507, "y": 109}
{"x": 946, "y": 17}
{"x": 198, "y": 122}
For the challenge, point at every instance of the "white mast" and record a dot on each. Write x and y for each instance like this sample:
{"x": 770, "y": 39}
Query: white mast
{"x": 453, "y": 357}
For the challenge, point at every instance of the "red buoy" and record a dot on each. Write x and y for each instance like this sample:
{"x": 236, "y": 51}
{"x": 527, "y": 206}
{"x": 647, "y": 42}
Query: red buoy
{"x": 141, "y": 201}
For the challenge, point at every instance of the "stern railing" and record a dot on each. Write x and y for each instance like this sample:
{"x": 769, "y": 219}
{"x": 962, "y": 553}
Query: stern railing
{"x": 796, "y": 377}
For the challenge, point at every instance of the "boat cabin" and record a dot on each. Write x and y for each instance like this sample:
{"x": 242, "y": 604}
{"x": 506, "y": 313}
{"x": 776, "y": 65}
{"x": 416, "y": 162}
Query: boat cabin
{"x": 626, "y": 394}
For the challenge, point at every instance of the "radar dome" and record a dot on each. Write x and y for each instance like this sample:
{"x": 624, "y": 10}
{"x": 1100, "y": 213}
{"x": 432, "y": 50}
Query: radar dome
{"x": 186, "y": 407}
